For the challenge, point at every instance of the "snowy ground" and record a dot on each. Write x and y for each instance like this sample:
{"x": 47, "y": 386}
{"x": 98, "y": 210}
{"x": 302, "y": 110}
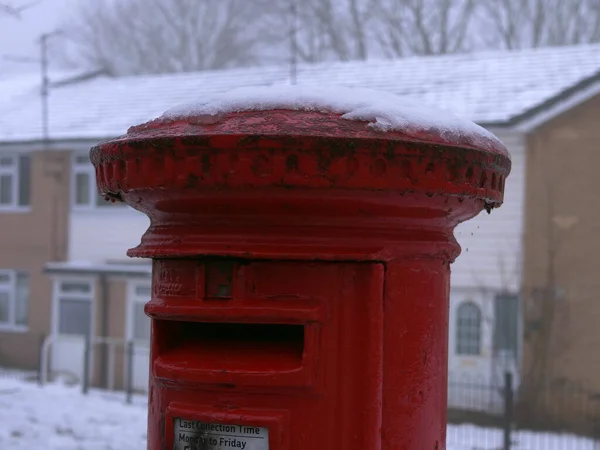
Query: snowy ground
{"x": 59, "y": 417}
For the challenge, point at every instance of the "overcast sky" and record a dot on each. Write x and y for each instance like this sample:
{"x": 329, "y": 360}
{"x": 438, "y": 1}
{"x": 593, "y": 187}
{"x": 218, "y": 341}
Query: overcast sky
{"x": 19, "y": 37}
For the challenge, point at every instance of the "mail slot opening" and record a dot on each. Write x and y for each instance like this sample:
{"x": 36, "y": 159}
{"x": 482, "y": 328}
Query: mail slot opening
{"x": 233, "y": 346}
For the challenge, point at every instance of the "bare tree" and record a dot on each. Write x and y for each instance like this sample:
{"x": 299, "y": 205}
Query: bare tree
{"x": 125, "y": 37}
{"x": 344, "y": 30}
{"x": 344, "y": 25}
{"x": 13, "y": 9}
{"x": 158, "y": 36}
{"x": 594, "y": 21}
{"x": 324, "y": 30}
{"x": 9, "y": 10}
{"x": 424, "y": 27}
{"x": 515, "y": 24}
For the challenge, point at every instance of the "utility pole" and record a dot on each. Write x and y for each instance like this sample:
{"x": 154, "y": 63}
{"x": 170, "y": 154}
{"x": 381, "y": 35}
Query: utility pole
{"x": 44, "y": 90}
{"x": 45, "y": 87}
{"x": 45, "y": 82}
{"x": 48, "y": 160}
{"x": 293, "y": 42}
{"x": 45, "y": 119}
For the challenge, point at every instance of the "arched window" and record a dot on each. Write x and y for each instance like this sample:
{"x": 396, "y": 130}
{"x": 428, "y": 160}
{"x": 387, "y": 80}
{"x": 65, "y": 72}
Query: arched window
{"x": 468, "y": 329}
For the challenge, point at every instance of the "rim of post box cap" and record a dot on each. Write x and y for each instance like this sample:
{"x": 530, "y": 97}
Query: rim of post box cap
{"x": 294, "y": 138}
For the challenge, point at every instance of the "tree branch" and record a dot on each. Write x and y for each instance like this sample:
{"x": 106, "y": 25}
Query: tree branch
{"x": 15, "y": 11}
{"x": 163, "y": 36}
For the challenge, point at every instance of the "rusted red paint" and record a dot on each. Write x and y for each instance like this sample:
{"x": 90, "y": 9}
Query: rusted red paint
{"x": 301, "y": 271}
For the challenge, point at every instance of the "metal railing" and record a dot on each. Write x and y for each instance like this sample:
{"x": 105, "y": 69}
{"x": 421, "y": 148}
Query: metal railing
{"x": 90, "y": 344}
{"x": 543, "y": 416}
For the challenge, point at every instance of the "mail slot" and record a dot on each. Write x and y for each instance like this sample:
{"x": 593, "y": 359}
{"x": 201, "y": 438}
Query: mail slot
{"x": 301, "y": 269}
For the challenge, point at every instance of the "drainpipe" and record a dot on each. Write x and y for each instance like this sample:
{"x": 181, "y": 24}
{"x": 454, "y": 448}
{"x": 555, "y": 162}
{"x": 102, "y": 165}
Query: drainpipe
{"x": 104, "y": 317}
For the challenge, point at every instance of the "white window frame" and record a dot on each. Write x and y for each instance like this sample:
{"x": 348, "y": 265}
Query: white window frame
{"x": 132, "y": 300}
{"x": 11, "y": 289}
{"x": 14, "y": 170}
{"x": 459, "y": 350}
{"x": 57, "y": 294}
{"x": 86, "y": 168}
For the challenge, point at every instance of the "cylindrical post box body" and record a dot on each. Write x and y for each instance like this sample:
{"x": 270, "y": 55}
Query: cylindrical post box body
{"x": 301, "y": 273}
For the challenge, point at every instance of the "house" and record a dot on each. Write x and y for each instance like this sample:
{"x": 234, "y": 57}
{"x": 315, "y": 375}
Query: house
{"x": 64, "y": 273}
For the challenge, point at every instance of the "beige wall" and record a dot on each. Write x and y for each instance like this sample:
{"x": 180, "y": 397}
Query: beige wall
{"x": 562, "y": 225}
{"x": 38, "y": 235}
{"x": 29, "y": 240}
{"x": 117, "y": 299}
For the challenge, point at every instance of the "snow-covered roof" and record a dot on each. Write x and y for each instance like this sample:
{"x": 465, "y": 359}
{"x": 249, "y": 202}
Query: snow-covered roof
{"x": 487, "y": 88}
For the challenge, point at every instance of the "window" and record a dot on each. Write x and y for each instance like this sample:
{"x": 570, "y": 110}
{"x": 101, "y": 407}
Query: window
{"x": 14, "y": 299}
{"x": 140, "y": 323}
{"x": 84, "y": 193}
{"x": 468, "y": 329}
{"x": 15, "y": 181}
{"x": 506, "y": 323}
{"x": 74, "y": 303}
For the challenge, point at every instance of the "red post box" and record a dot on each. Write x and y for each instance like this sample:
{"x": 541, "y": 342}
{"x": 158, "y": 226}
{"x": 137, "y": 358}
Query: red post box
{"x": 301, "y": 252}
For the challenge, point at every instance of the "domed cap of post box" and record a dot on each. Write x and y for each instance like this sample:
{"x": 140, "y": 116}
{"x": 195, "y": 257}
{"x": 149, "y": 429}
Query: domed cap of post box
{"x": 271, "y": 140}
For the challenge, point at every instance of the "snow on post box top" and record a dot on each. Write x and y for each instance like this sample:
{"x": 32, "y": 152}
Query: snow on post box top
{"x": 383, "y": 111}
{"x": 363, "y": 127}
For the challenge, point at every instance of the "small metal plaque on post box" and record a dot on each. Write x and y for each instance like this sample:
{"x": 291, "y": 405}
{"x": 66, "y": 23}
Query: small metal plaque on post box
{"x": 195, "y": 435}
